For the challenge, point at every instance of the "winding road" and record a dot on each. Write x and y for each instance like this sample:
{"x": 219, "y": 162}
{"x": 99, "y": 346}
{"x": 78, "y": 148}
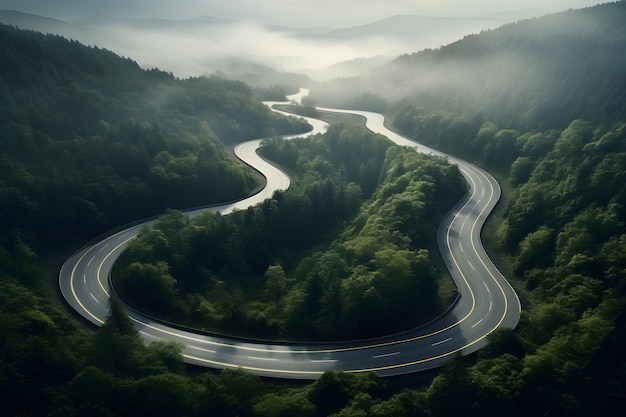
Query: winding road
{"x": 486, "y": 302}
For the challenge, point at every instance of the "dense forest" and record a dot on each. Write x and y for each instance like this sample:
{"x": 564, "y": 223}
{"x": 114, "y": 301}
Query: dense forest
{"x": 90, "y": 140}
{"x": 552, "y": 127}
{"x": 557, "y": 144}
{"x": 340, "y": 255}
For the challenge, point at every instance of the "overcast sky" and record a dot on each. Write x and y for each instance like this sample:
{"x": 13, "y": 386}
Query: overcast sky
{"x": 295, "y": 13}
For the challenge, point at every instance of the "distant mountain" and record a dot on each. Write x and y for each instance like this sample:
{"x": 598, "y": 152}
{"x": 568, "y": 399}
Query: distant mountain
{"x": 91, "y": 27}
{"x": 155, "y": 24}
{"x": 416, "y": 27}
{"x": 261, "y": 76}
{"x": 520, "y": 14}
{"x": 46, "y": 25}
{"x": 351, "y": 68}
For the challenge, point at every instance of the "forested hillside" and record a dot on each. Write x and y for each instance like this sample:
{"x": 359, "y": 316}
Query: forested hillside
{"x": 343, "y": 254}
{"x": 88, "y": 140}
{"x": 545, "y": 113}
{"x": 540, "y": 73}
{"x": 541, "y": 103}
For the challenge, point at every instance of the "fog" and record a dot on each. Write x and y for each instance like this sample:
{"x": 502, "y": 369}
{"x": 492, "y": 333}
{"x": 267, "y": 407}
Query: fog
{"x": 205, "y": 45}
{"x": 205, "y": 51}
{"x": 201, "y": 47}
{"x": 271, "y": 34}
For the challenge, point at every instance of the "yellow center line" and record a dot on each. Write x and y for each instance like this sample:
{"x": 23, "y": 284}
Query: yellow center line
{"x": 253, "y": 348}
{"x": 506, "y": 304}
{"x": 336, "y": 350}
{"x": 75, "y": 295}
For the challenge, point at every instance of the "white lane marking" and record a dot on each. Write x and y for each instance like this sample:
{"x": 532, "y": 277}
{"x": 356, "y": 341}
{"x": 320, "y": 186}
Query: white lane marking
{"x": 461, "y": 247}
{"x": 384, "y": 355}
{"x": 477, "y": 323}
{"x": 463, "y": 224}
{"x": 91, "y": 260}
{"x": 94, "y": 297}
{"x": 323, "y": 360}
{"x": 202, "y": 349}
{"x": 84, "y": 278}
{"x": 147, "y": 334}
{"x": 103, "y": 247}
{"x": 350, "y": 349}
{"x": 488, "y": 290}
{"x": 443, "y": 341}
{"x": 490, "y": 305}
{"x": 470, "y": 264}
{"x": 262, "y": 359}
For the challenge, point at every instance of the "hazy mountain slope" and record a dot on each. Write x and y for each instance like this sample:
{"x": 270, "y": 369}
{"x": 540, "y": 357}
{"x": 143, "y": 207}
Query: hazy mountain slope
{"x": 413, "y": 27}
{"x": 549, "y": 70}
{"x": 44, "y": 24}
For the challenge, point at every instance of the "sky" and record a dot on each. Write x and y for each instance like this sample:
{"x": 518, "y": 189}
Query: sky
{"x": 295, "y": 13}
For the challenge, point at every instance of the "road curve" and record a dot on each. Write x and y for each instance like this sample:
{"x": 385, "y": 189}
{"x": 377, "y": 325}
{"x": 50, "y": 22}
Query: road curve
{"x": 486, "y": 302}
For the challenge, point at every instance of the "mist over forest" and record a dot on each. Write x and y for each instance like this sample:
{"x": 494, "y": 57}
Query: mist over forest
{"x": 105, "y": 121}
{"x": 551, "y": 69}
{"x": 204, "y": 45}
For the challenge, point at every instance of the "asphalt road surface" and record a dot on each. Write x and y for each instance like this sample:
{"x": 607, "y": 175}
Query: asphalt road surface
{"x": 486, "y": 301}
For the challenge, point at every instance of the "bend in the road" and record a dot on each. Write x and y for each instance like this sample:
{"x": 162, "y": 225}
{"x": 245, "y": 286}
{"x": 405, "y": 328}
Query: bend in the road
{"x": 487, "y": 299}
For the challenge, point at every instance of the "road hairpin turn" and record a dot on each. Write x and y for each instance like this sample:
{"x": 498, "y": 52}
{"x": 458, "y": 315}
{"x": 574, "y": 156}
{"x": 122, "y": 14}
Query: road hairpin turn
{"x": 486, "y": 302}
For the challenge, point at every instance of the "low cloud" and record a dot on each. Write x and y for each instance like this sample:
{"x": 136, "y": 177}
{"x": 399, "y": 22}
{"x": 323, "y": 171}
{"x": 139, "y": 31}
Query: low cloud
{"x": 205, "y": 45}
{"x": 204, "y": 51}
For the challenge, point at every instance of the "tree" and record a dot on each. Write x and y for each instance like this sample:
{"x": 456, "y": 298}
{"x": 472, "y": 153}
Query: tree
{"x": 117, "y": 347}
{"x": 453, "y": 391}
{"x": 535, "y": 250}
{"x": 165, "y": 394}
{"x": 276, "y": 282}
{"x": 148, "y": 286}
{"x": 41, "y": 347}
{"x": 118, "y": 321}
{"x": 169, "y": 354}
{"x": 293, "y": 402}
{"x": 409, "y": 403}
{"x": 521, "y": 170}
{"x": 573, "y": 139}
{"x": 504, "y": 341}
{"x": 92, "y": 392}
{"x": 500, "y": 385}
{"x": 334, "y": 389}
{"x": 238, "y": 391}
